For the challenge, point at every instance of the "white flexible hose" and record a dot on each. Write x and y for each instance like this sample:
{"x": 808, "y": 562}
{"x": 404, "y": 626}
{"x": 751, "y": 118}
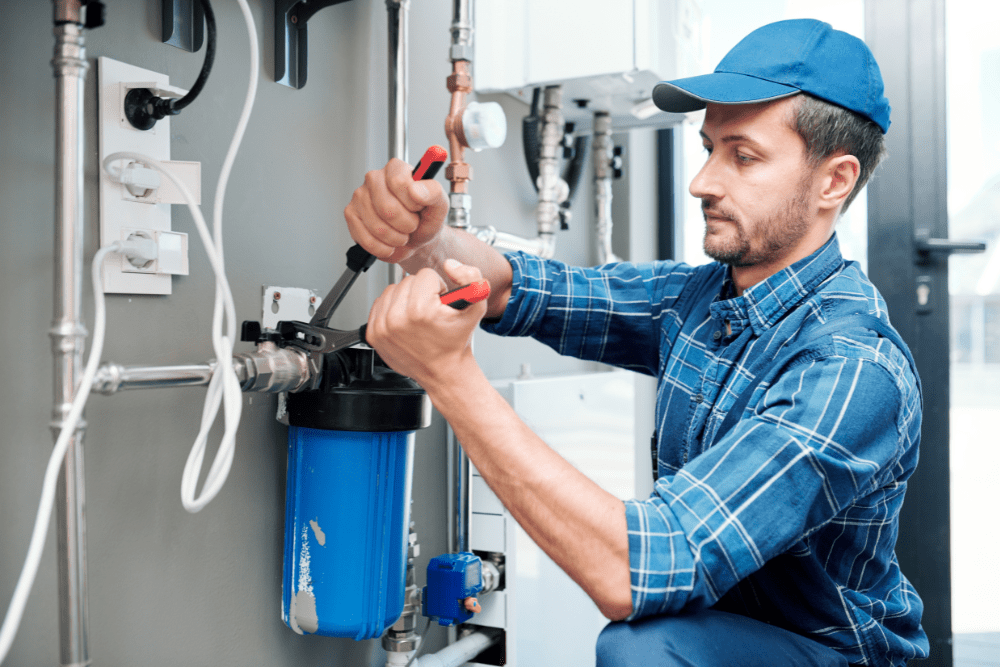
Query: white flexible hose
{"x": 24, "y": 582}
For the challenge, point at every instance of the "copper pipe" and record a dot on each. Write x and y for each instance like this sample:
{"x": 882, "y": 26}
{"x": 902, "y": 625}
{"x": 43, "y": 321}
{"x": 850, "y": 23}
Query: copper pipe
{"x": 460, "y": 85}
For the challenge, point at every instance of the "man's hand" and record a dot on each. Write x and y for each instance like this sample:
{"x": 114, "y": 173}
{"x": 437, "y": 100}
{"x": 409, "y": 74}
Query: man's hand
{"x": 419, "y": 336}
{"x": 391, "y": 215}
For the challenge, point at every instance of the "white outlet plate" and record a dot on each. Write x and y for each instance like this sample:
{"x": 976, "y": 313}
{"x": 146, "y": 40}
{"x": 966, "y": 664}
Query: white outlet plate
{"x": 119, "y": 209}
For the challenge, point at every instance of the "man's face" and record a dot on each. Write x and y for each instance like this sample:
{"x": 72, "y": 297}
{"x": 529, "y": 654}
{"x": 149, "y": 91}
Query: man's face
{"x": 756, "y": 185}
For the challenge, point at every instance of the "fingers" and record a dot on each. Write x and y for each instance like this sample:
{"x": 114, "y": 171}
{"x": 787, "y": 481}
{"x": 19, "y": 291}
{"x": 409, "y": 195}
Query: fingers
{"x": 391, "y": 214}
{"x": 376, "y": 218}
{"x": 356, "y": 214}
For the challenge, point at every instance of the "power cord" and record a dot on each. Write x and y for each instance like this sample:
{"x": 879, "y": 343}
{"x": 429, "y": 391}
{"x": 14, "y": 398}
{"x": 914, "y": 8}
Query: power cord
{"x": 143, "y": 108}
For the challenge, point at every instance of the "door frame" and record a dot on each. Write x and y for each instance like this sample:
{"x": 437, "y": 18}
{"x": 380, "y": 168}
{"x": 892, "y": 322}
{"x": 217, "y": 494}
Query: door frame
{"x": 907, "y": 200}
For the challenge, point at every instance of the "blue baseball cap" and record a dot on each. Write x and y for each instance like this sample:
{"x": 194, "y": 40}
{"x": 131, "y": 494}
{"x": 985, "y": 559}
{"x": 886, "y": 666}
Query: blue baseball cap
{"x": 783, "y": 59}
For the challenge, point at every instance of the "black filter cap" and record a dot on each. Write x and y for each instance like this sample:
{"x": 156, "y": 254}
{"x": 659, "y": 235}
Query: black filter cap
{"x": 360, "y": 393}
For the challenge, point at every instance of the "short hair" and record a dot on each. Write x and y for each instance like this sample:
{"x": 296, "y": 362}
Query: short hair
{"x": 828, "y": 129}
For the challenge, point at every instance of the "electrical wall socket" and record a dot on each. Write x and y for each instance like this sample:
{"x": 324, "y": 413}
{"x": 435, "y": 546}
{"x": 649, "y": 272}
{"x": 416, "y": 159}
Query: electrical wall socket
{"x": 123, "y": 212}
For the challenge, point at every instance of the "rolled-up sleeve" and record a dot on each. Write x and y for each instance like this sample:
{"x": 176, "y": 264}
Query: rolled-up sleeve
{"x": 605, "y": 314}
{"x": 825, "y": 434}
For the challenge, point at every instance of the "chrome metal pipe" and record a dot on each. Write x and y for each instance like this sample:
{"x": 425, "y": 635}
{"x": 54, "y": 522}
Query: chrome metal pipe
{"x": 268, "y": 369}
{"x": 399, "y": 91}
{"x": 461, "y": 30}
{"x": 552, "y": 189}
{"x": 69, "y": 64}
{"x": 459, "y": 471}
{"x": 543, "y": 245}
{"x": 603, "y": 170}
{"x": 399, "y": 77}
{"x": 112, "y": 378}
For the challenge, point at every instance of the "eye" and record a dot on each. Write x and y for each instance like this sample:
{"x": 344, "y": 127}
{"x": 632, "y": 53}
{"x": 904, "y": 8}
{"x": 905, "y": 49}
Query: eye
{"x": 708, "y": 149}
{"x": 743, "y": 159}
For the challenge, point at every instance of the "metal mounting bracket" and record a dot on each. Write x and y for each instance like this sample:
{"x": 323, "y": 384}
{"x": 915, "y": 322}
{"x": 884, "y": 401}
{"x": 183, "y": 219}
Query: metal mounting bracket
{"x": 291, "y": 45}
{"x": 183, "y": 24}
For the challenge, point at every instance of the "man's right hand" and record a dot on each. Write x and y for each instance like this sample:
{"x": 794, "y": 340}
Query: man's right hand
{"x": 391, "y": 215}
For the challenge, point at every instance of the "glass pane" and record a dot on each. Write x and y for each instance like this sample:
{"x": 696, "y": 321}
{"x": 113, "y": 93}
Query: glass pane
{"x": 723, "y": 24}
{"x": 973, "y": 61}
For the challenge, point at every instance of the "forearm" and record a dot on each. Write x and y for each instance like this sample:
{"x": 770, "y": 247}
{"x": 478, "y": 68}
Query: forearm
{"x": 467, "y": 249}
{"x": 578, "y": 524}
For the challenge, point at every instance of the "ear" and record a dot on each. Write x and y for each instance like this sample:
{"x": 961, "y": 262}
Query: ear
{"x": 838, "y": 176}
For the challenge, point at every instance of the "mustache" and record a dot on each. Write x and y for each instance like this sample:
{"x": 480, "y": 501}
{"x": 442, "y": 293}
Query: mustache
{"x": 710, "y": 208}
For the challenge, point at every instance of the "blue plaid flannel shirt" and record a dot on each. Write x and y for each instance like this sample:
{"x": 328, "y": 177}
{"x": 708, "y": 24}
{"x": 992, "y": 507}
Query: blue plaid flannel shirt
{"x": 791, "y": 518}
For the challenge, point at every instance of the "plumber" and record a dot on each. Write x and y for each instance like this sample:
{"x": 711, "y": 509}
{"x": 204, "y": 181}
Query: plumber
{"x": 768, "y": 541}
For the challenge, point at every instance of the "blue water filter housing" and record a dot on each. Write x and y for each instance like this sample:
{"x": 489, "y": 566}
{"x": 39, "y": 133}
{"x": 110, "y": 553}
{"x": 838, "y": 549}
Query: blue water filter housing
{"x": 347, "y": 499}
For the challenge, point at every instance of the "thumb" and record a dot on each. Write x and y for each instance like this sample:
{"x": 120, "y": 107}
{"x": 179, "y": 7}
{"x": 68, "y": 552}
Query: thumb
{"x": 430, "y": 195}
{"x": 462, "y": 274}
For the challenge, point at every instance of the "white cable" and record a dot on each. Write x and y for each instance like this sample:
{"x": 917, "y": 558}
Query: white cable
{"x": 24, "y": 582}
{"x": 224, "y": 387}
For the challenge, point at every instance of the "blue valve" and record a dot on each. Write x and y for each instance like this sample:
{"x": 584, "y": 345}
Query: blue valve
{"x": 451, "y": 578}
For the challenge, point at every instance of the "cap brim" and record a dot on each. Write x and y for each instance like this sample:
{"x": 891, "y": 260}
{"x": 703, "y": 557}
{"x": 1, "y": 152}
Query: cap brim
{"x": 694, "y": 93}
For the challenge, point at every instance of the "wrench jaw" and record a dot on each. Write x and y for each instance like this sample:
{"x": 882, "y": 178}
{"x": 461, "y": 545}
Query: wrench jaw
{"x": 317, "y": 339}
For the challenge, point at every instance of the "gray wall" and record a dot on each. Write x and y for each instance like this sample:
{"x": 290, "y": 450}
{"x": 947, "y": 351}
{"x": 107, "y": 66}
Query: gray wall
{"x": 167, "y": 587}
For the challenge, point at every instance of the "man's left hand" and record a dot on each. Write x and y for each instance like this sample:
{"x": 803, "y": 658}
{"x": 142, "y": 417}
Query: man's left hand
{"x": 419, "y": 336}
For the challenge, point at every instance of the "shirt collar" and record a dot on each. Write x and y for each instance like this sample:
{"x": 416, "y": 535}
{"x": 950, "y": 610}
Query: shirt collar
{"x": 767, "y": 302}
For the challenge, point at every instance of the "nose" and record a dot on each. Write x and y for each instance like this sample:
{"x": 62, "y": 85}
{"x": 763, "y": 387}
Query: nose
{"x": 706, "y": 183}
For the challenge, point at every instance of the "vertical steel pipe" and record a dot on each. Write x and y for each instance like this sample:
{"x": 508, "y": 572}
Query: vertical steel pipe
{"x": 399, "y": 77}
{"x": 68, "y": 334}
{"x": 460, "y": 472}
{"x": 399, "y": 90}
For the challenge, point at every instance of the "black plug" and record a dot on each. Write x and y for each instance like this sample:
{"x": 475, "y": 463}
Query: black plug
{"x": 143, "y": 108}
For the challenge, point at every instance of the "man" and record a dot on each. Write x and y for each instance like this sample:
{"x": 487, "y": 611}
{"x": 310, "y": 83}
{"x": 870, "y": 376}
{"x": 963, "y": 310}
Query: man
{"x": 769, "y": 543}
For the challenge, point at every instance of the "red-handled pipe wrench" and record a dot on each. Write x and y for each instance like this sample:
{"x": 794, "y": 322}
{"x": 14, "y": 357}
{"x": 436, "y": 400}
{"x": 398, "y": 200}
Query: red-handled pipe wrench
{"x": 316, "y": 337}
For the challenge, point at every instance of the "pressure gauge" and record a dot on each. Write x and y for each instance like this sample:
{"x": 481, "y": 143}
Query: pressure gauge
{"x": 484, "y": 125}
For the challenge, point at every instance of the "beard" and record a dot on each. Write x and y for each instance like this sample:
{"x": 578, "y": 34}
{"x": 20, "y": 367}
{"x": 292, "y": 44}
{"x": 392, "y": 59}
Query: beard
{"x": 762, "y": 241}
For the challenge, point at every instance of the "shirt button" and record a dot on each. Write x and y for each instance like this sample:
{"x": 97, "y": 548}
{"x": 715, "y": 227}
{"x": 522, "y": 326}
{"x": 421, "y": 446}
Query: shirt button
{"x": 717, "y": 335}
{"x": 699, "y": 398}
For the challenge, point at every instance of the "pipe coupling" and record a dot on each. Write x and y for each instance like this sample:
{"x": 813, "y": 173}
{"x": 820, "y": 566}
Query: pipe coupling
{"x": 491, "y": 577}
{"x": 272, "y": 369}
{"x": 459, "y": 213}
{"x": 70, "y": 57}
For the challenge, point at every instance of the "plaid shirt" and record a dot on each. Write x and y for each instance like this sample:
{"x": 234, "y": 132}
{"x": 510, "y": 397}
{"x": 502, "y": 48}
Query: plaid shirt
{"x": 791, "y": 517}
